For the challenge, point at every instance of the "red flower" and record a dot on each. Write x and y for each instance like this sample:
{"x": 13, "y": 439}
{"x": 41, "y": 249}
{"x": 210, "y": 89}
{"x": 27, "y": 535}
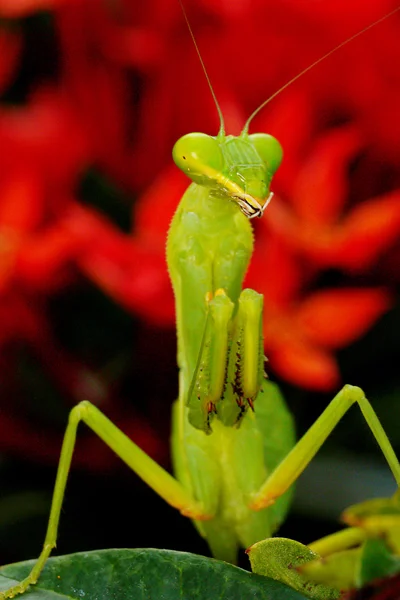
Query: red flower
{"x": 10, "y": 49}
{"x": 20, "y": 8}
{"x": 43, "y": 151}
{"x": 128, "y": 84}
{"x": 318, "y": 224}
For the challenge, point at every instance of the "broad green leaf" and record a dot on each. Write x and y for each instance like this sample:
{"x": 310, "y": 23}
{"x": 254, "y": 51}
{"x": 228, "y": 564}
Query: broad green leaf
{"x": 144, "y": 575}
{"x": 278, "y": 558}
{"x": 376, "y": 561}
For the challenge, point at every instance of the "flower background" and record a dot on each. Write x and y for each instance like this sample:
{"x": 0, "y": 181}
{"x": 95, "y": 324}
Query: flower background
{"x": 93, "y": 96}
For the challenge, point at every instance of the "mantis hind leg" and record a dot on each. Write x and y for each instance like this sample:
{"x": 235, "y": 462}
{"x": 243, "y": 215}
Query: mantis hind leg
{"x": 155, "y": 476}
{"x": 306, "y": 448}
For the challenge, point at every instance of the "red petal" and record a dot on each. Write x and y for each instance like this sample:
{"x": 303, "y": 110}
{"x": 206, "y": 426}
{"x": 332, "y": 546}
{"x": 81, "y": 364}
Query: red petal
{"x": 304, "y": 365}
{"x": 321, "y": 188}
{"x": 132, "y": 271}
{"x": 47, "y": 135}
{"x": 155, "y": 208}
{"x": 369, "y": 230}
{"x": 42, "y": 260}
{"x": 335, "y": 318}
{"x": 20, "y": 8}
{"x": 274, "y": 270}
{"x": 142, "y": 286}
{"x": 21, "y": 203}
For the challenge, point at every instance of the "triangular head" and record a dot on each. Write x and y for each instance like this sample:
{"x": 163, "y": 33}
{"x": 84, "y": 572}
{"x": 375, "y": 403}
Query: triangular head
{"x": 240, "y": 168}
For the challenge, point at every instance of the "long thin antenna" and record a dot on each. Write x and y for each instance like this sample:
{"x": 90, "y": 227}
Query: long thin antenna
{"x": 314, "y": 64}
{"x": 221, "y": 117}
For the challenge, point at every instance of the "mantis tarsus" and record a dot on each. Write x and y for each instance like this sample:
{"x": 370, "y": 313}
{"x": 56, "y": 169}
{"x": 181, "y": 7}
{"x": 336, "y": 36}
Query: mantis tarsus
{"x": 233, "y": 440}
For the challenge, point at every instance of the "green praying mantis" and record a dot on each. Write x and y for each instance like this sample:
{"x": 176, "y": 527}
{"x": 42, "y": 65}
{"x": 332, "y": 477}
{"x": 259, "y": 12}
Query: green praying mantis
{"x": 233, "y": 446}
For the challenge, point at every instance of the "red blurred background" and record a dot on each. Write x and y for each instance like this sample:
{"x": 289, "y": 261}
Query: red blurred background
{"x": 93, "y": 96}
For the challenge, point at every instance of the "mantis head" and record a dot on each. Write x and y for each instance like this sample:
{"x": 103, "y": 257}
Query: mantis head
{"x": 240, "y": 168}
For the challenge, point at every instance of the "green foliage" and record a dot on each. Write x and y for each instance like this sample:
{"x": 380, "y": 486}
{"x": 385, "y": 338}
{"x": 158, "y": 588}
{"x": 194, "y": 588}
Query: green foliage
{"x": 278, "y": 558}
{"x": 376, "y": 562}
{"x": 144, "y": 575}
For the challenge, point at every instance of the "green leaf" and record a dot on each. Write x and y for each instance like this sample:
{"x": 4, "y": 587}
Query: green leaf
{"x": 376, "y": 561}
{"x": 278, "y": 558}
{"x": 144, "y": 575}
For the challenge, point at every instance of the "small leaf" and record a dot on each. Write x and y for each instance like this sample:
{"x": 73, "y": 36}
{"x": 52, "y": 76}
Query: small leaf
{"x": 144, "y": 575}
{"x": 278, "y": 558}
{"x": 376, "y": 562}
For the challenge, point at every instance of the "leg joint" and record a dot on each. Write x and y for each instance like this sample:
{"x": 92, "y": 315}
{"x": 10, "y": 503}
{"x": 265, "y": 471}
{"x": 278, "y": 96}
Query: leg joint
{"x": 353, "y": 391}
{"x": 78, "y": 412}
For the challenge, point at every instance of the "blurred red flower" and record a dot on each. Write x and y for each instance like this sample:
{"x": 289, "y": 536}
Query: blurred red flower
{"x": 122, "y": 83}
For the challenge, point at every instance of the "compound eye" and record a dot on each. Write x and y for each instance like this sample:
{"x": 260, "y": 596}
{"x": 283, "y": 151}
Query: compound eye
{"x": 199, "y": 156}
{"x": 269, "y": 150}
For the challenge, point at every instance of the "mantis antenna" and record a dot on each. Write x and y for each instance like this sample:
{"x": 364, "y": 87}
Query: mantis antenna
{"x": 221, "y": 132}
{"x": 314, "y": 64}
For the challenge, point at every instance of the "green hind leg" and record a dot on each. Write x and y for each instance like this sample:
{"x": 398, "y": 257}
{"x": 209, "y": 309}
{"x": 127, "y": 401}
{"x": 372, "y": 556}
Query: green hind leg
{"x": 156, "y": 477}
{"x": 306, "y": 448}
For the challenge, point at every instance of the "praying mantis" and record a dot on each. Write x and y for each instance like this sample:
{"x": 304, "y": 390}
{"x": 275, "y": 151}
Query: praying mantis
{"x": 234, "y": 453}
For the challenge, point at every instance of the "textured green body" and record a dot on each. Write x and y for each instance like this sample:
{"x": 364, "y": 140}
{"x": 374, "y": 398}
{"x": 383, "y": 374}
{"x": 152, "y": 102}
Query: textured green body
{"x": 223, "y": 471}
{"x": 209, "y": 247}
